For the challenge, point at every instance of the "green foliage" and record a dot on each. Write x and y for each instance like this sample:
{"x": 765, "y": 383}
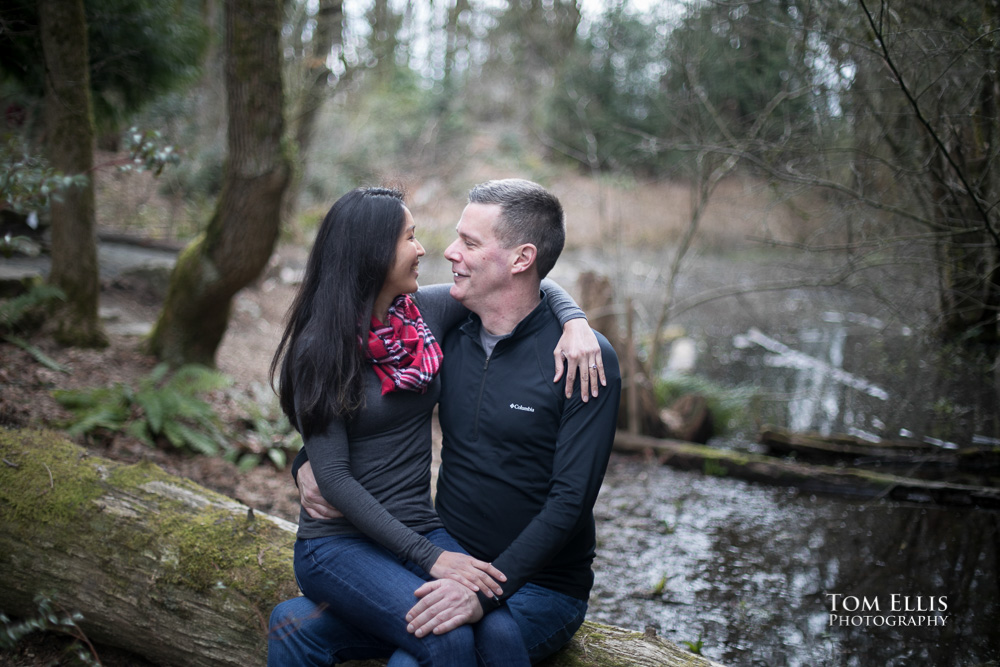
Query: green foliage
{"x": 138, "y": 50}
{"x": 27, "y": 183}
{"x": 147, "y": 152}
{"x": 695, "y": 646}
{"x": 11, "y": 245}
{"x": 611, "y": 97}
{"x": 50, "y": 619}
{"x": 642, "y": 91}
{"x": 164, "y": 408}
{"x": 269, "y": 435}
{"x": 740, "y": 56}
{"x": 14, "y": 312}
{"x": 730, "y": 406}
{"x": 413, "y": 126}
{"x": 713, "y": 468}
{"x": 24, "y": 312}
{"x": 660, "y": 586}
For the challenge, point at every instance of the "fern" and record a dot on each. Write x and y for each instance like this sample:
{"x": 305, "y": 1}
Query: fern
{"x": 268, "y": 431}
{"x": 12, "y": 311}
{"x": 161, "y": 409}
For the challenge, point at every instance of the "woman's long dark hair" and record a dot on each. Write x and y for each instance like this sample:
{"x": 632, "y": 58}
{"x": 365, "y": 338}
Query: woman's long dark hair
{"x": 321, "y": 362}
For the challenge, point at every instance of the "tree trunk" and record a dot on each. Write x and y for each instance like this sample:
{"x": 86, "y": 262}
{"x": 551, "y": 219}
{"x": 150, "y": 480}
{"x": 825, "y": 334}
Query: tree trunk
{"x": 173, "y": 572}
{"x": 69, "y": 133}
{"x": 639, "y": 411}
{"x": 242, "y": 232}
{"x": 315, "y": 91}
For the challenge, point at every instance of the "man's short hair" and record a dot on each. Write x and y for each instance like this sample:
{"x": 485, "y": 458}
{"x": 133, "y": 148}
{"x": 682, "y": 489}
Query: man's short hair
{"x": 528, "y": 214}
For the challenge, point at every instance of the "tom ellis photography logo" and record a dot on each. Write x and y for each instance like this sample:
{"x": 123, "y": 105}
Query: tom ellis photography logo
{"x": 895, "y": 610}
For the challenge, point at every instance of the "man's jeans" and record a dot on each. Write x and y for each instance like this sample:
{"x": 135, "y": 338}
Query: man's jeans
{"x": 304, "y": 633}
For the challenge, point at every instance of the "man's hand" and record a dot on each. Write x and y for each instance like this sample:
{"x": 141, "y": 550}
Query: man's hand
{"x": 579, "y": 350}
{"x": 312, "y": 500}
{"x": 477, "y": 575}
{"x": 444, "y": 605}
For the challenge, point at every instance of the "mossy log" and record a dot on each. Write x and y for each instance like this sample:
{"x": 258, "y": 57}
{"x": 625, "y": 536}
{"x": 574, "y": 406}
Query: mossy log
{"x": 173, "y": 572}
{"x": 983, "y": 459}
{"x": 155, "y": 563}
{"x": 846, "y": 481}
{"x": 600, "y": 645}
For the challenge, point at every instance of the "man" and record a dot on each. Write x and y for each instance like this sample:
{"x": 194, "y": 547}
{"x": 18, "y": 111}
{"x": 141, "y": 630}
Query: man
{"x": 522, "y": 463}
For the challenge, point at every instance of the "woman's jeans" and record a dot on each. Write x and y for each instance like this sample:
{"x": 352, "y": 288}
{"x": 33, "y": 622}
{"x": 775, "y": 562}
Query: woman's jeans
{"x": 303, "y": 632}
{"x": 371, "y": 589}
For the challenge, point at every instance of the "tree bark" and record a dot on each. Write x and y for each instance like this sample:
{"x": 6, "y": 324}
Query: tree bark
{"x": 241, "y": 234}
{"x": 176, "y": 573}
{"x": 315, "y": 91}
{"x": 69, "y": 133}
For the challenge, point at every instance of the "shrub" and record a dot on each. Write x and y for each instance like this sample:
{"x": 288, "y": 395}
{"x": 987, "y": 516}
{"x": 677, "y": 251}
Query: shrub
{"x": 161, "y": 409}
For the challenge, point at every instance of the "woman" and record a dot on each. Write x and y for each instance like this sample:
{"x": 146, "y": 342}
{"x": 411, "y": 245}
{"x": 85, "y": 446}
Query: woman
{"x": 358, "y": 376}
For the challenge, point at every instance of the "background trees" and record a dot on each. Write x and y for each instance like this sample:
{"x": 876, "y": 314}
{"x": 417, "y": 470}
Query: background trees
{"x": 883, "y": 109}
{"x": 72, "y": 71}
{"x": 930, "y": 110}
{"x": 880, "y": 113}
{"x": 138, "y": 50}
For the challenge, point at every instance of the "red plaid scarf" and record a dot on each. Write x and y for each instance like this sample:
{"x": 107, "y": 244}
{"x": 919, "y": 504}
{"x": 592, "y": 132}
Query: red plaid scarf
{"x": 403, "y": 351}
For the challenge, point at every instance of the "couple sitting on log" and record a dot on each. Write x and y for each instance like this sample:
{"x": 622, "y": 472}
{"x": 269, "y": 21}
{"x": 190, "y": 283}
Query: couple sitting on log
{"x": 497, "y": 570}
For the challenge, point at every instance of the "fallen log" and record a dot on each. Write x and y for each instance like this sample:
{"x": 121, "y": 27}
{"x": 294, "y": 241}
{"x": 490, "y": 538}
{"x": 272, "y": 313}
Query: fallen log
{"x": 815, "y": 478}
{"x": 981, "y": 459}
{"x": 156, "y": 564}
{"x": 173, "y": 572}
{"x": 598, "y": 645}
{"x": 783, "y": 441}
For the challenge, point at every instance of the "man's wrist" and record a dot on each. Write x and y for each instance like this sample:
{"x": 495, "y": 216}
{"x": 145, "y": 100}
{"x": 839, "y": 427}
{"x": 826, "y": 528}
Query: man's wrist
{"x": 488, "y": 602}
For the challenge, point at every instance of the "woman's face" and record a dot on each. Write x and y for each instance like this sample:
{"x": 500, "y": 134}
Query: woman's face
{"x": 402, "y": 276}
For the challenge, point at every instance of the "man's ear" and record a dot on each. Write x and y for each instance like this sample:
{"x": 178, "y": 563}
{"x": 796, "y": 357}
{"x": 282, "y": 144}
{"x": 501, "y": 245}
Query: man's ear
{"x": 524, "y": 257}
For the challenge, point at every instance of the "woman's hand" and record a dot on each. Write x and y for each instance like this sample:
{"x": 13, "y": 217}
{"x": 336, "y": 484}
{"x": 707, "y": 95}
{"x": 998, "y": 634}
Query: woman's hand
{"x": 476, "y": 574}
{"x": 579, "y": 350}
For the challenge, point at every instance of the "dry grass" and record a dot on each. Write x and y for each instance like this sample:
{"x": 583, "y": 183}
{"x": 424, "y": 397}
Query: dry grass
{"x": 641, "y": 214}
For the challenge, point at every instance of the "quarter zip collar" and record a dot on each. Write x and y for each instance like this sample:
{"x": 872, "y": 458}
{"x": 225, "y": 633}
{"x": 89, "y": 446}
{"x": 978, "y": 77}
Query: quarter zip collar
{"x": 534, "y": 321}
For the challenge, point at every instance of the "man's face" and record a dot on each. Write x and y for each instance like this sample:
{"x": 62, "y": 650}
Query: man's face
{"x": 479, "y": 265}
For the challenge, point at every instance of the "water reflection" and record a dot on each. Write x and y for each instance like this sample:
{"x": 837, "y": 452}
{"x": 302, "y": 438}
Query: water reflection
{"x": 850, "y": 373}
{"x": 751, "y": 569}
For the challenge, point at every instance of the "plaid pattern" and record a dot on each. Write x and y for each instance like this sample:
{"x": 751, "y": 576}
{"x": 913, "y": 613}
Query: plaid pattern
{"x": 403, "y": 351}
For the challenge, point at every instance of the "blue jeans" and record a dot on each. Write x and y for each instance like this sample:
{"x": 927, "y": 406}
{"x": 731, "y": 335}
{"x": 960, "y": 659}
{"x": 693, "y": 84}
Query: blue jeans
{"x": 351, "y": 577}
{"x": 303, "y": 633}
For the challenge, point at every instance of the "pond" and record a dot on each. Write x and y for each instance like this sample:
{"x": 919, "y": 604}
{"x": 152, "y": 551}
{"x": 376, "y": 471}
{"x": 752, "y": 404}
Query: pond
{"x": 770, "y": 576}
{"x": 754, "y": 572}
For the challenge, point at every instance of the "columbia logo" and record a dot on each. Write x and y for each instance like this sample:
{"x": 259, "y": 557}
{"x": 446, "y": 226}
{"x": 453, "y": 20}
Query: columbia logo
{"x": 515, "y": 406}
